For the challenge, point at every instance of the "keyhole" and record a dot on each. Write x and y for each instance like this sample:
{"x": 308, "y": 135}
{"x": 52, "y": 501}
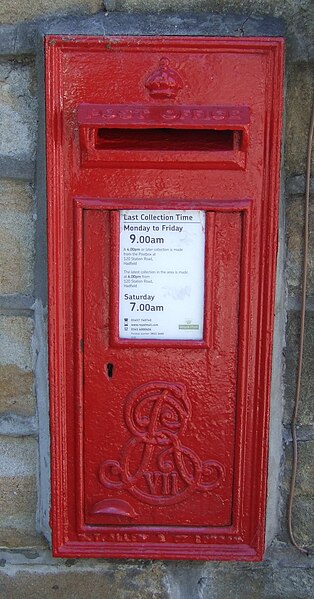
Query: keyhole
{"x": 109, "y": 369}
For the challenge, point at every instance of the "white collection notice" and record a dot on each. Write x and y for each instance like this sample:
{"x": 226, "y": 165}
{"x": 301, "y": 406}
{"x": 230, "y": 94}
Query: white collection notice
{"x": 161, "y": 282}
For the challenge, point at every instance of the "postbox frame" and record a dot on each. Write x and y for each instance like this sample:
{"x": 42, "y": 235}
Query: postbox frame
{"x": 87, "y": 541}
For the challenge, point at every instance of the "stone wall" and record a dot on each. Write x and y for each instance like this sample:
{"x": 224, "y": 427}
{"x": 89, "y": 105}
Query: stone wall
{"x": 25, "y": 558}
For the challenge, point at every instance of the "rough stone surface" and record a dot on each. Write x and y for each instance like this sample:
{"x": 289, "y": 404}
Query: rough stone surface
{"x": 113, "y": 582}
{"x": 15, "y": 425}
{"x": 18, "y": 457}
{"x": 306, "y": 409}
{"x": 268, "y": 580}
{"x": 211, "y": 25}
{"x": 145, "y": 580}
{"x": 16, "y": 390}
{"x": 305, "y": 474}
{"x": 18, "y": 505}
{"x": 17, "y": 238}
{"x": 15, "y": 341}
{"x": 291, "y": 583}
{"x": 300, "y": 82}
{"x": 298, "y": 15}
{"x": 295, "y": 185}
{"x": 303, "y": 500}
{"x": 18, "y": 109}
{"x": 303, "y": 520}
{"x": 18, "y": 467}
{"x": 295, "y": 245}
{"x": 16, "y": 379}
{"x": 13, "y": 11}
{"x": 17, "y": 39}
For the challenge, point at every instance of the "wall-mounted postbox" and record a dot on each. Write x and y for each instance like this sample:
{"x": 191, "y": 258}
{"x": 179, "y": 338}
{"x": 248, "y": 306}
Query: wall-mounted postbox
{"x": 162, "y": 169}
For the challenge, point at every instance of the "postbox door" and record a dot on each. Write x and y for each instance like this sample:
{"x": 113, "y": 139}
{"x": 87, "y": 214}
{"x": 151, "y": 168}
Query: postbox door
{"x": 159, "y": 417}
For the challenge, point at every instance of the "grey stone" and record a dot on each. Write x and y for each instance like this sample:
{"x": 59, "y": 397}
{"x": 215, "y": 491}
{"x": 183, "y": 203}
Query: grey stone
{"x": 17, "y": 238}
{"x": 187, "y": 23}
{"x": 18, "y": 426}
{"x": 299, "y": 98}
{"x": 17, "y": 39}
{"x": 303, "y": 499}
{"x": 18, "y": 495}
{"x": 41, "y": 374}
{"x": 277, "y": 390}
{"x": 284, "y": 555}
{"x": 242, "y": 581}
{"x": 298, "y": 18}
{"x": 17, "y": 168}
{"x": 16, "y": 391}
{"x": 16, "y": 303}
{"x": 18, "y": 457}
{"x": 186, "y": 579}
{"x": 114, "y": 582}
{"x": 290, "y": 583}
{"x": 15, "y": 342}
{"x": 303, "y": 521}
{"x": 304, "y": 433}
{"x": 306, "y": 407}
{"x": 109, "y": 5}
{"x": 26, "y": 557}
{"x": 18, "y": 105}
{"x": 295, "y": 184}
{"x": 24, "y": 38}
{"x": 16, "y": 11}
{"x": 16, "y": 536}
{"x": 256, "y": 18}
{"x": 295, "y": 246}
{"x": 236, "y": 583}
{"x": 16, "y": 378}
{"x": 305, "y": 471}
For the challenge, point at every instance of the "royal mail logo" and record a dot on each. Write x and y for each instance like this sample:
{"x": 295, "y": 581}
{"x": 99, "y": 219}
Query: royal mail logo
{"x": 155, "y": 466}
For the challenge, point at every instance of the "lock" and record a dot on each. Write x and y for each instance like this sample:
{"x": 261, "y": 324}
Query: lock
{"x": 163, "y": 168}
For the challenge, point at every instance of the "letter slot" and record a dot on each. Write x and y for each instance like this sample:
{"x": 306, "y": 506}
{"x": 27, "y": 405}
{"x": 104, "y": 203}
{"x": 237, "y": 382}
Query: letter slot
{"x": 207, "y": 137}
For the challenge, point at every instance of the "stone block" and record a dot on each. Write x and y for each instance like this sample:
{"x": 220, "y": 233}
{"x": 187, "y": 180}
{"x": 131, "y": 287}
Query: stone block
{"x": 18, "y": 468}
{"x": 305, "y": 471}
{"x": 300, "y": 81}
{"x": 16, "y": 379}
{"x": 103, "y": 582}
{"x": 15, "y": 11}
{"x": 297, "y": 15}
{"x": 306, "y": 407}
{"x": 17, "y": 238}
{"x": 15, "y": 341}
{"x": 295, "y": 245}
{"x": 303, "y": 520}
{"x": 214, "y": 580}
{"x": 16, "y": 391}
{"x": 18, "y": 109}
{"x": 292, "y": 583}
{"x": 236, "y": 582}
{"x": 263, "y": 580}
{"x": 303, "y": 501}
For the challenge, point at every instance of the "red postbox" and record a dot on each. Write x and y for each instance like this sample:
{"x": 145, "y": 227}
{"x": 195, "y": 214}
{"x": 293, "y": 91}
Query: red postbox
{"x": 162, "y": 173}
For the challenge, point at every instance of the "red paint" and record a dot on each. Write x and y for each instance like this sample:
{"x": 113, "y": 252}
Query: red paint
{"x": 206, "y": 137}
{"x": 159, "y": 449}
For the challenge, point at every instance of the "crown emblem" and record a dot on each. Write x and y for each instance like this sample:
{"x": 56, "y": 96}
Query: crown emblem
{"x": 165, "y": 82}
